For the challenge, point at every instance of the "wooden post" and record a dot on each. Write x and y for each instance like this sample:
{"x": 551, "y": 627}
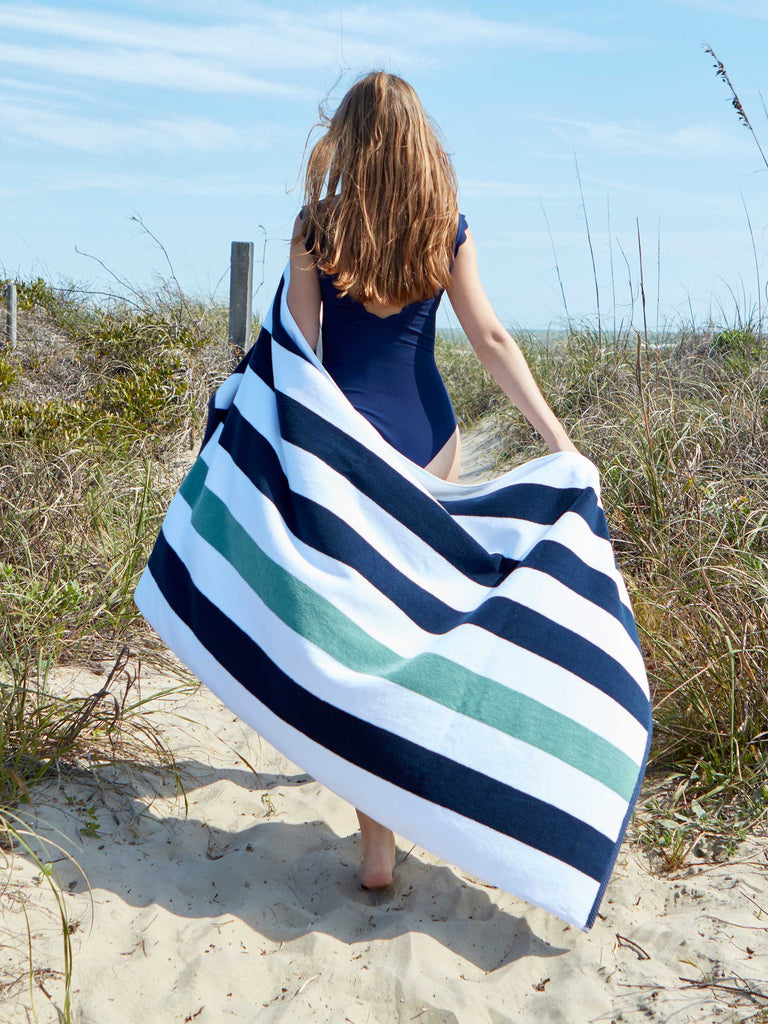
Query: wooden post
{"x": 10, "y": 315}
{"x": 240, "y": 289}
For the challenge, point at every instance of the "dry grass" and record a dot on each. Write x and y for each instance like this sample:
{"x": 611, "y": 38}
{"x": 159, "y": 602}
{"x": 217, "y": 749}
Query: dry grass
{"x": 100, "y": 410}
{"x": 100, "y": 415}
{"x": 680, "y": 435}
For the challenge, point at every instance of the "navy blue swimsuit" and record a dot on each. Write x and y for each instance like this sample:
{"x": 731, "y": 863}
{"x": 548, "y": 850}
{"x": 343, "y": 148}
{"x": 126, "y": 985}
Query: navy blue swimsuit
{"x": 386, "y": 367}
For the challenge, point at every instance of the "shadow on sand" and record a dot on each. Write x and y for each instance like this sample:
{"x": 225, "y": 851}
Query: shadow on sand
{"x": 283, "y": 880}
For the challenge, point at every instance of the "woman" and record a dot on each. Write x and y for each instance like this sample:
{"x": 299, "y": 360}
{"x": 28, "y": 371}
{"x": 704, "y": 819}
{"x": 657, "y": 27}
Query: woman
{"x": 458, "y": 661}
{"x": 375, "y": 254}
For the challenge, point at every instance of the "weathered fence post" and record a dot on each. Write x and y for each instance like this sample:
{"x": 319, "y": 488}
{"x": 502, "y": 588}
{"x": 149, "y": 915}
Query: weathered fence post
{"x": 10, "y": 315}
{"x": 240, "y": 288}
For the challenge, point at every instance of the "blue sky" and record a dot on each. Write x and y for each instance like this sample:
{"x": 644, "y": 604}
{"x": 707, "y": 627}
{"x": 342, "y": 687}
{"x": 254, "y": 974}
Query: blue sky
{"x": 193, "y": 117}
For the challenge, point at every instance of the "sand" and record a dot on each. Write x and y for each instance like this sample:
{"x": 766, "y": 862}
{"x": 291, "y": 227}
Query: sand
{"x": 244, "y": 905}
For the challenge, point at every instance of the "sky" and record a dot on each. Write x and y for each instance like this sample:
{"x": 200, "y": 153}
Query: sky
{"x": 139, "y": 139}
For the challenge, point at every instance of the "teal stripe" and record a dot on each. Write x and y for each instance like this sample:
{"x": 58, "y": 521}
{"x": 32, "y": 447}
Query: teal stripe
{"x": 194, "y": 481}
{"x": 317, "y": 620}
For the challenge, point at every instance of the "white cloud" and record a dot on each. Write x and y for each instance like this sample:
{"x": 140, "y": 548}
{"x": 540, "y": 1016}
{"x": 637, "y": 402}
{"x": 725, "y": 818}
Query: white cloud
{"x": 137, "y": 184}
{"x": 36, "y": 88}
{"x": 270, "y": 40}
{"x": 98, "y": 135}
{"x": 442, "y": 28}
{"x": 147, "y": 67}
{"x": 232, "y": 53}
{"x": 693, "y": 141}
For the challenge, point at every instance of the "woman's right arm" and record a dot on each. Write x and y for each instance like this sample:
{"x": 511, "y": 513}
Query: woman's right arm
{"x": 304, "y": 297}
{"x": 498, "y": 351}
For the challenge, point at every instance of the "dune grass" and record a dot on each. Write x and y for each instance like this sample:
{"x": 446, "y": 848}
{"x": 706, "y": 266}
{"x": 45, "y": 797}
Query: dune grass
{"x": 101, "y": 410}
{"x": 679, "y": 433}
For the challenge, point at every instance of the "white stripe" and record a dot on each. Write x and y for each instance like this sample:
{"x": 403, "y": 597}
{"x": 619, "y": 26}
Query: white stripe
{"x": 209, "y": 448}
{"x": 493, "y": 857}
{"x": 387, "y": 704}
{"x": 551, "y": 598}
{"x": 558, "y": 469}
{"x": 225, "y": 393}
{"x": 467, "y": 645}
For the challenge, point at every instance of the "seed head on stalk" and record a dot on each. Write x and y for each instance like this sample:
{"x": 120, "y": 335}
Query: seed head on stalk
{"x": 735, "y": 102}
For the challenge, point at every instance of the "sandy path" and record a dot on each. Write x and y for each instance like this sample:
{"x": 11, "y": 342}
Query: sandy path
{"x": 246, "y": 907}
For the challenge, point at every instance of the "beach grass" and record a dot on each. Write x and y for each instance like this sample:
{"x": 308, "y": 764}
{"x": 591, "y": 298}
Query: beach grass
{"x": 679, "y": 432}
{"x": 100, "y": 409}
{"x": 101, "y": 412}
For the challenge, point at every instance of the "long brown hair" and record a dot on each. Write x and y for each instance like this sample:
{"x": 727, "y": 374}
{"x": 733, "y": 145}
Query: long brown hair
{"x": 386, "y": 225}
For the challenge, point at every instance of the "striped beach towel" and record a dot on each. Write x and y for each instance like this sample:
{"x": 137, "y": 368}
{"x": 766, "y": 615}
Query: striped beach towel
{"x": 458, "y": 661}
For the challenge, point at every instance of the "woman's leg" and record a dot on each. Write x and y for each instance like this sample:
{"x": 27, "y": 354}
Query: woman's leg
{"x": 378, "y": 853}
{"x": 377, "y": 841}
{"x": 447, "y": 463}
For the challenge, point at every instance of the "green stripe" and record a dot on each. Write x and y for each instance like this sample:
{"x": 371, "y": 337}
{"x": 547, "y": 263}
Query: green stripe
{"x": 431, "y": 675}
{"x": 194, "y": 481}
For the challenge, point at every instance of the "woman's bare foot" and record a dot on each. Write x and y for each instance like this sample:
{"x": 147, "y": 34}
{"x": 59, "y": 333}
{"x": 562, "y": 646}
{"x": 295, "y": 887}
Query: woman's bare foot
{"x": 378, "y": 862}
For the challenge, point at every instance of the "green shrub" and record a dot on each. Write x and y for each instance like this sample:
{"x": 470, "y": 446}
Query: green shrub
{"x": 736, "y": 341}
{"x": 8, "y": 374}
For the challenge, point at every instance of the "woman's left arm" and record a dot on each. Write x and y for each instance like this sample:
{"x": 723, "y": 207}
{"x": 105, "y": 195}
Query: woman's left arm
{"x": 304, "y": 288}
{"x": 498, "y": 351}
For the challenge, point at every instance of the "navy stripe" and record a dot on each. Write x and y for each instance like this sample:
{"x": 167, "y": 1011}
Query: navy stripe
{"x": 431, "y": 776}
{"x": 279, "y": 333}
{"x": 536, "y": 633}
{"x": 260, "y": 358}
{"x": 426, "y": 519}
{"x": 538, "y": 503}
{"x": 562, "y": 564}
{"x": 215, "y": 417}
{"x": 397, "y": 495}
{"x": 329, "y": 533}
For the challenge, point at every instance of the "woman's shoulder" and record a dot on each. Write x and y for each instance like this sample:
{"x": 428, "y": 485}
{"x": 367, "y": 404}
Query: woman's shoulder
{"x": 461, "y": 233}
